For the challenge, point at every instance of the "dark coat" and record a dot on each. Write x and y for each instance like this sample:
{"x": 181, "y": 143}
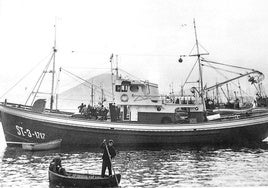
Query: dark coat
{"x": 112, "y": 152}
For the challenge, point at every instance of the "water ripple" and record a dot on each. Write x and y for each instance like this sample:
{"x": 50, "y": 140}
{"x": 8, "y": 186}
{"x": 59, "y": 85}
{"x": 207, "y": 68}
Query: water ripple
{"x": 190, "y": 167}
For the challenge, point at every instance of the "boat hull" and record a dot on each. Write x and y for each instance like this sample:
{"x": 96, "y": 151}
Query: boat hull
{"x": 83, "y": 180}
{"x": 26, "y": 126}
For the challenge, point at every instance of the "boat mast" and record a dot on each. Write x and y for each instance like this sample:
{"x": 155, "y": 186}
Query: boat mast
{"x": 53, "y": 71}
{"x": 240, "y": 90}
{"x": 201, "y": 85}
{"x": 228, "y": 92}
{"x": 112, "y": 76}
{"x": 181, "y": 91}
{"x": 116, "y": 68}
{"x": 92, "y": 94}
{"x": 57, "y": 88}
{"x": 102, "y": 95}
{"x": 217, "y": 95}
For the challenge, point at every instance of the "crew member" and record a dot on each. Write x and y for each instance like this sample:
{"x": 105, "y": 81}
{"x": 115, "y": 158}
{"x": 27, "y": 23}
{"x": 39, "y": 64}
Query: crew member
{"x": 81, "y": 107}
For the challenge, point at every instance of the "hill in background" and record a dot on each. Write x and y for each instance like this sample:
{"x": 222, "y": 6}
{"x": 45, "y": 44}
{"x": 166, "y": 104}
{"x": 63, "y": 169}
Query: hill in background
{"x": 72, "y": 98}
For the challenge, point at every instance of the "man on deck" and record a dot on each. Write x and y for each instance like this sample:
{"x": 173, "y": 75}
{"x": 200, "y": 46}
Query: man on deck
{"x": 81, "y": 107}
{"x": 108, "y": 154}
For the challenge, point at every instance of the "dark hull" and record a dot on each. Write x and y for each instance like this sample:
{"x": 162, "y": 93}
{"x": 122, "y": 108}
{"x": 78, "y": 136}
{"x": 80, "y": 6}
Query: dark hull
{"x": 83, "y": 180}
{"x": 25, "y": 126}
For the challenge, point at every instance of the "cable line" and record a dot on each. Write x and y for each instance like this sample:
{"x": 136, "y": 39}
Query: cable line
{"x": 25, "y": 76}
{"x": 84, "y": 80}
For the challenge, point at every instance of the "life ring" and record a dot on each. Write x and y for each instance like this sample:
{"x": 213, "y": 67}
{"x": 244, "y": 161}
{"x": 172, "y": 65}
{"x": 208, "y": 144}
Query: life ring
{"x": 124, "y": 98}
{"x": 158, "y": 108}
{"x": 196, "y": 108}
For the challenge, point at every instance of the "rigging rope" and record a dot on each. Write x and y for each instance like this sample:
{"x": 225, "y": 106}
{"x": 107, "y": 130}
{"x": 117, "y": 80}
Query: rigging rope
{"x": 192, "y": 49}
{"x": 135, "y": 77}
{"x": 25, "y": 76}
{"x": 234, "y": 66}
{"x": 91, "y": 84}
{"x": 190, "y": 73}
{"x": 216, "y": 69}
{"x": 88, "y": 86}
{"x": 40, "y": 78}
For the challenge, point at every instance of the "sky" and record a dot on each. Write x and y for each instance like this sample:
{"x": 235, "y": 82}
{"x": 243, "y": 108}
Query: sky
{"x": 148, "y": 35}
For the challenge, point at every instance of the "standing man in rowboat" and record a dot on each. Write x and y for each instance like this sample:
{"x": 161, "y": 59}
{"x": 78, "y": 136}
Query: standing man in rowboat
{"x": 108, "y": 154}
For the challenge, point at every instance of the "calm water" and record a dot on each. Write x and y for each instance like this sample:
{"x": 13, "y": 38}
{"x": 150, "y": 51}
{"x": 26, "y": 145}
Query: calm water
{"x": 176, "y": 167}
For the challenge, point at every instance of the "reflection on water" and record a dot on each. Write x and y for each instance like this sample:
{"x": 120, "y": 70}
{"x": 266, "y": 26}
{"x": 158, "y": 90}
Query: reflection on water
{"x": 180, "y": 167}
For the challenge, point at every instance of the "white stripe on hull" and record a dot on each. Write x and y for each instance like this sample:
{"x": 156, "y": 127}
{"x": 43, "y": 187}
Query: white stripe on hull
{"x": 69, "y": 121}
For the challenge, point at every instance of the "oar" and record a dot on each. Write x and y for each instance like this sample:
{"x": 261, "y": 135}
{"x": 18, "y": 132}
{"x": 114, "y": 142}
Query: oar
{"x": 111, "y": 163}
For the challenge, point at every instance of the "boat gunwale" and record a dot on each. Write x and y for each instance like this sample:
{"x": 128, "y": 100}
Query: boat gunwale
{"x": 88, "y": 179}
{"x": 81, "y": 174}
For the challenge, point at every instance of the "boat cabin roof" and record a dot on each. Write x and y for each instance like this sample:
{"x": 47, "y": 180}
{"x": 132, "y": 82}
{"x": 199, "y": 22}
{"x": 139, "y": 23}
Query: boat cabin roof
{"x": 135, "y": 82}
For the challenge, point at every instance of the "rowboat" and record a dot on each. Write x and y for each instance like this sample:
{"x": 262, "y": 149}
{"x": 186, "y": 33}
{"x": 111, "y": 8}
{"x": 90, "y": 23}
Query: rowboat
{"x": 83, "y": 180}
{"x": 42, "y": 146}
{"x": 233, "y": 111}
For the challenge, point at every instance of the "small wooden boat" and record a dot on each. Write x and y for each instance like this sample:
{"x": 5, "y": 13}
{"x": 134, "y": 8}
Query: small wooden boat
{"x": 83, "y": 180}
{"x": 42, "y": 146}
{"x": 227, "y": 111}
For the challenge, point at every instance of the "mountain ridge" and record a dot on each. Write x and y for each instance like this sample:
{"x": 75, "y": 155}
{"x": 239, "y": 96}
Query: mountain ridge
{"x": 82, "y": 93}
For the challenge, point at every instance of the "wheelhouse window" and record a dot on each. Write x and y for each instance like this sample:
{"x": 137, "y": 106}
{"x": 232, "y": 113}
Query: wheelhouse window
{"x": 121, "y": 88}
{"x": 134, "y": 88}
{"x": 118, "y": 88}
{"x": 124, "y": 88}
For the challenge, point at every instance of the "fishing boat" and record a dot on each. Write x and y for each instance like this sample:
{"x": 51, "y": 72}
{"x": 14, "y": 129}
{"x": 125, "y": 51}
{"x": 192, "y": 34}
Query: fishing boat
{"x": 83, "y": 180}
{"x": 42, "y": 146}
{"x": 139, "y": 116}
